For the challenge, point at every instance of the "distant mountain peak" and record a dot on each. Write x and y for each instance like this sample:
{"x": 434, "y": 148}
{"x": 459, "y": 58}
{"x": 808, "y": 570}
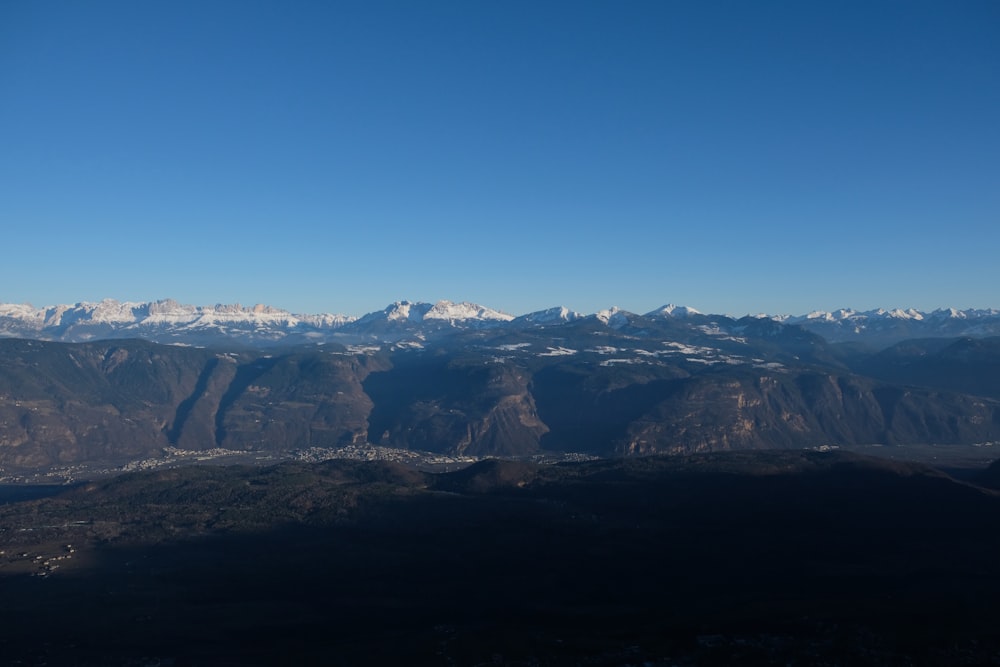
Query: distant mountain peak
{"x": 882, "y": 326}
{"x": 447, "y": 310}
{"x": 444, "y": 311}
{"x": 405, "y": 311}
{"x": 950, "y": 312}
{"x": 671, "y": 310}
{"x": 555, "y": 315}
{"x": 614, "y": 317}
{"x": 908, "y": 314}
{"x": 167, "y": 320}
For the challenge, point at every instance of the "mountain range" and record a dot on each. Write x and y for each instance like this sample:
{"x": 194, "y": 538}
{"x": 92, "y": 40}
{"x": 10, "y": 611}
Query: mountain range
{"x": 755, "y": 542}
{"x": 168, "y": 321}
{"x": 464, "y": 380}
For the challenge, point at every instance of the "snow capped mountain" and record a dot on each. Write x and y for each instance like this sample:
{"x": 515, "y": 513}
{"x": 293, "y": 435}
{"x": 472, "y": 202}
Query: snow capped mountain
{"x": 400, "y": 311}
{"x": 908, "y": 314}
{"x": 882, "y": 327}
{"x": 557, "y": 315}
{"x": 819, "y": 315}
{"x": 970, "y": 314}
{"x": 614, "y": 317}
{"x": 460, "y": 312}
{"x": 163, "y": 321}
{"x": 882, "y": 314}
{"x": 444, "y": 312}
{"x": 169, "y": 321}
{"x": 166, "y": 311}
{"x": 670, "y": 310}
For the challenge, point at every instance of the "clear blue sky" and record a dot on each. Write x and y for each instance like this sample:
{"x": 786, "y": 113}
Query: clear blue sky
{"x": 336, "y": 156}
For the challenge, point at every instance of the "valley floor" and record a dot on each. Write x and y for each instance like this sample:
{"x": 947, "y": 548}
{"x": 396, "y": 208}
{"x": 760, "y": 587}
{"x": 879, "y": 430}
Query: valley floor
{"x": 769, "y": 558}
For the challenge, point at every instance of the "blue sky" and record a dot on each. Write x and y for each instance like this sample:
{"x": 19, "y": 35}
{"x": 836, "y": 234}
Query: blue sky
{"x": 337, "y": 156}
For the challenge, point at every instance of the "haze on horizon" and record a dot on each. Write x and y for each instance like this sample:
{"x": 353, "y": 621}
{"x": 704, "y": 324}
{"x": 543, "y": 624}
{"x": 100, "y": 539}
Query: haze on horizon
{"x": 774, "y": 157}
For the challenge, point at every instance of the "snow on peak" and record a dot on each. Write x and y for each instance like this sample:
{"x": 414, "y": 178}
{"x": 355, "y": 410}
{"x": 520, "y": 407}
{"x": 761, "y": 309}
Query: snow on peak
{"x": 551, "y": 316}
{"x": 671, "y": 310}
{"x": 839, "y": 315}
{"x": 908, "y": 314}
{"x": 442, "y": 311}
{"x": 446, "y": 310}
{"x": 110, "y": 311}
{"x": 166, "y": 312}
{"x": 891, "y": 325}
{"x": 21, "y": 311}
{"x": 614, "y": 317}
{"x": 171, "y": 319}
{"x": 950, "y": 313}
{"x": 403, "y": 311}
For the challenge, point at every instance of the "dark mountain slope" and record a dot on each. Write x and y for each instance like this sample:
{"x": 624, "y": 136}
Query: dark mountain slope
{"x": 296, "y": 400}
{"x": 966, "y": 365}
{"x": 61, "y": 403}
{"x": 606, "y": 392}
{"x": 449, "y": 403}
{"x": 737, "y": 411}
{"x": 114, "y": 401}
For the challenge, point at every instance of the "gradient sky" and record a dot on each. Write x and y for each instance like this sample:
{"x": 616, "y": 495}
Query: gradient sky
{"x": 735, "y": 157}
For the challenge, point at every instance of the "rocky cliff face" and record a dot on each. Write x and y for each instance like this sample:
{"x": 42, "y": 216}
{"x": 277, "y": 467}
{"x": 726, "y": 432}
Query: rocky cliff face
{"x": 63, "y": 403}
{"x": 121, "y": 400}
{"x": 809, "y": 409}
{"x": 457, "y": 406}
{"x": 107, "y": 401}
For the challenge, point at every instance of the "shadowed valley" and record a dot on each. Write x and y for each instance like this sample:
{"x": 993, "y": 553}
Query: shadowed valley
{"x": 756, "y": 558}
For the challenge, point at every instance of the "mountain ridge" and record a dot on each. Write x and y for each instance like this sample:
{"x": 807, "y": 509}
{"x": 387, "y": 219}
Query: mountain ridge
{"x": 591, "y": 389}
{"x": 168, "y": 321}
